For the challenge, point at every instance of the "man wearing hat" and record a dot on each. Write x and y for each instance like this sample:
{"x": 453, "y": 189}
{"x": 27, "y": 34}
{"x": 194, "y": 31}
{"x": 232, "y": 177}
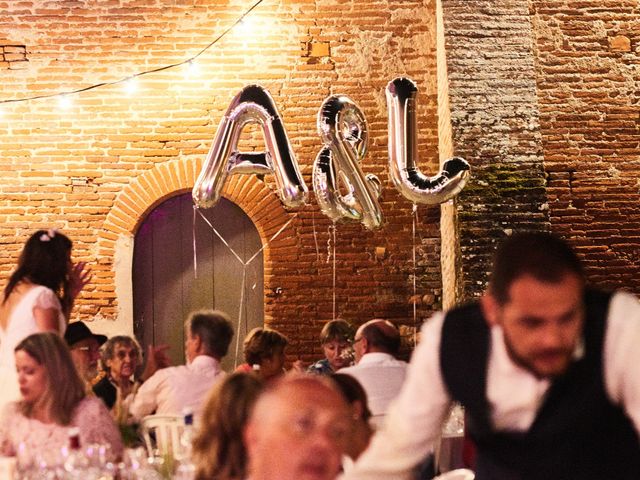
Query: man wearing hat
{"x": 85, "y": 349}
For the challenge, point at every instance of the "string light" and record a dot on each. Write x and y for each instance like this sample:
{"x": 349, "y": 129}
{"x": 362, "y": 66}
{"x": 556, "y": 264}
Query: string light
{"x": 131, "y": 86}
{"x": 64, "y": 101}
{"x": 192, "y": 68}
{"x": 64, "y": 97}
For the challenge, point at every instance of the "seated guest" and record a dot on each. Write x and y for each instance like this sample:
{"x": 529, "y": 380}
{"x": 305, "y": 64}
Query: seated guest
{"x": 356, "y": 397}
{"x": 376, "y": 345}
{"x": 84, "y": 346}
{"x": 171, "y": 390}
{"x": 297, "y": 430}
{"x": 336, "y": 338}
{"x": 218, "y": 451}
{"x": 53, "y": 399}
{"x": 264, "y": 353}
{"x": 120, "y": 359}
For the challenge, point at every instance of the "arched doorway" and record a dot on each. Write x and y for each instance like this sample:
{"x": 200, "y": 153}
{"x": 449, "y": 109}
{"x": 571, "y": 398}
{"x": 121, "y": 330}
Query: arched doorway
{"x": 165, "y": 287}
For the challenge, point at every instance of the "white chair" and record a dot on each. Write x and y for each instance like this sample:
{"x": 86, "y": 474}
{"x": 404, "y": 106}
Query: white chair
{"x": 458, "y": 474}
{"x": 161, "y": 434}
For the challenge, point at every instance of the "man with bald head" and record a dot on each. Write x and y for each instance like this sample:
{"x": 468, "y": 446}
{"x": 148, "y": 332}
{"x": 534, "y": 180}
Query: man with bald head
{"x": 376, "y": 345}
{"x": 297, "y": 431}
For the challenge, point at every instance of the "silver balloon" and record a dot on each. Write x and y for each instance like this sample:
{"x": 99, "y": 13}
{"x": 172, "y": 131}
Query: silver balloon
{"x": 344, "y": 132}
{"x": 252, "y": 105}
{"x": 326, "y": 187}
{"x": 410, "y": 182}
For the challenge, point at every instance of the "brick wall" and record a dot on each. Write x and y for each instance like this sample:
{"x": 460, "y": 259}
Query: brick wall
{"x": 544, "y": 104}
{"x": 588, "y": 75}
{"x": 495, "y": 127}
{"x": 96, "y": 168}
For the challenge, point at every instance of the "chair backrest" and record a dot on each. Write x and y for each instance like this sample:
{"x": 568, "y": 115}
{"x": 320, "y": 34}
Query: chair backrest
{"x": 161, "y": 434}
{"x": 458, "y": 474}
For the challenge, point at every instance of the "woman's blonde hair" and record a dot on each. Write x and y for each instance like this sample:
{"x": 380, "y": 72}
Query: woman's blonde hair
{"x": 218, "y": 449}
{"x": 64, "y": 389}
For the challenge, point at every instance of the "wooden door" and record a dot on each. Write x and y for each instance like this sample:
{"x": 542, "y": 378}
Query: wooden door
{"x": 166, "y": 288}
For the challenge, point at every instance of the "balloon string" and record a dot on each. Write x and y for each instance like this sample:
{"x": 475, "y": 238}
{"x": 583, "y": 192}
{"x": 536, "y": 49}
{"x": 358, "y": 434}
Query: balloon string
{"x": 415, "y": 292}
{"x": 315, "y": 236}
{"x": 193, "y": 235}
{"x": 329, "y": 245}
{"x": 334, "y": 271}
{"x": 244, "y": 277}
{"x": 253, "y": 257}
{"x": 244, "y": 267}
{"x": 275, "y": 235}
{"x": 220, "y": 237}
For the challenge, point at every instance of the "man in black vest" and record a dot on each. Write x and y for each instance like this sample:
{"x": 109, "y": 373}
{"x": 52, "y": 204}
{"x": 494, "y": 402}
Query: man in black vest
{"x": 547, "y": 370}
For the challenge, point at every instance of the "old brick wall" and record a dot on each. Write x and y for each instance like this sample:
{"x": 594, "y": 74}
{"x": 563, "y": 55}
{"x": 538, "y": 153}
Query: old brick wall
{"x": 96, "y": 167}
{"x": 588, "y": 75}
{"x": 494, "y": 114}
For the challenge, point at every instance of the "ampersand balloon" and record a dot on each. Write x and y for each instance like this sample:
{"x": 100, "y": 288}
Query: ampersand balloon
{"x": 253, "y": 104}
{"x": 343, "y": 128}
{"x": 410, "y": 182}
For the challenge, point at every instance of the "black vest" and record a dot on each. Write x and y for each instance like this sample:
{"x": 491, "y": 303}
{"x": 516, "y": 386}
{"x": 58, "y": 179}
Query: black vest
{"x": 577, "y": 433}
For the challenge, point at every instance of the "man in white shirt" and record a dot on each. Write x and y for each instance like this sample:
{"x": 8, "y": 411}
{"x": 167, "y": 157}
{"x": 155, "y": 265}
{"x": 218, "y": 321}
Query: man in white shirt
{"x": 548, "y": 372}
{"x": 376, "y": 345}
{"x": 171, "y": 390}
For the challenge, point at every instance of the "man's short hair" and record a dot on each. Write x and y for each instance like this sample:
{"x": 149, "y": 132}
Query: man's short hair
{"x": 383, "y": 335}
{"x": 214, "y": 329}
{"x": 543, "y": 256}
{"x": 339, "y": 330}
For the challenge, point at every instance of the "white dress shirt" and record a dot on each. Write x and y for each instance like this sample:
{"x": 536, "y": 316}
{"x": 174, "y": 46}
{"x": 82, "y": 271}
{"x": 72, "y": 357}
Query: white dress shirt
{"x": 414, "y": 420}
{"x": 170, "y": 390}
{"x": 381, "y": 375}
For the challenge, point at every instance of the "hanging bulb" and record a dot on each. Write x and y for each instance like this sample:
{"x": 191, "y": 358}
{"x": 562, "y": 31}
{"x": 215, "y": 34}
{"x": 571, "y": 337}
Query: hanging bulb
{"x": 131, "y": 85}
{"x": 192, "y": 68}
{"x": 64, "y": 101}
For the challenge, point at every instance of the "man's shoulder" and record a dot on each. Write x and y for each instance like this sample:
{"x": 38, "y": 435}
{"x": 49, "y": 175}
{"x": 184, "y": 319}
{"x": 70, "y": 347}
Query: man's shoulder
{"x": 375, "y": 362}
{"x": 380, "y": 360}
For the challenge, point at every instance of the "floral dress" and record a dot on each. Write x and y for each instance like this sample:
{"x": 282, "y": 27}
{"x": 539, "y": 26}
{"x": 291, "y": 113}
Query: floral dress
{"x": 45, "y": 441}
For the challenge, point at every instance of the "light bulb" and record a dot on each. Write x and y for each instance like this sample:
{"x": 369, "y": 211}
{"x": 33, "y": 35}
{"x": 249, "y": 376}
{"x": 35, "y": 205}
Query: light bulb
{"x": 131, "y": 86}
{"x": 191, "y": 69}
{"x": 64, "y": 101}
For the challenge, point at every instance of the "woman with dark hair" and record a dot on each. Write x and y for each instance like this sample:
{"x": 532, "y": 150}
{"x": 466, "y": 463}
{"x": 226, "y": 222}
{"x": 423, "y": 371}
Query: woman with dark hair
{"x": 53, "y": 399}
{"x": 218, "y": 449}
{"x": 264, "y": 353}
{"x": 38, "y": 297}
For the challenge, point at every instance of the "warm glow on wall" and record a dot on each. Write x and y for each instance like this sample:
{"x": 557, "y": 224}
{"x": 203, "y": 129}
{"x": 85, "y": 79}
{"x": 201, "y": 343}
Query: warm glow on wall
{"x": 130, "y": 83}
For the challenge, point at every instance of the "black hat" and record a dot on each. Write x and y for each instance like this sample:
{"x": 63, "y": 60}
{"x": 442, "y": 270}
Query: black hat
{"x": 78, "y": 331}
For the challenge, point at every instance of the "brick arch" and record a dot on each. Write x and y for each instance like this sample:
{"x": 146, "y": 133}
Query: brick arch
{"x": 148, "y": 190}
{"x": 154, "y": 186}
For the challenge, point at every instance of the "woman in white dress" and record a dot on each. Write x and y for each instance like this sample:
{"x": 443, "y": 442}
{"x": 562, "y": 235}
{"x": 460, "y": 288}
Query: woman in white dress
{"x": 38, "y": 298}
{"x": 53, "y": 399}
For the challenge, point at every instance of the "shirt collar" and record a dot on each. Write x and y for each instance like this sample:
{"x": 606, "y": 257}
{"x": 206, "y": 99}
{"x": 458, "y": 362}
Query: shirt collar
{"x": 375, "y": 357}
